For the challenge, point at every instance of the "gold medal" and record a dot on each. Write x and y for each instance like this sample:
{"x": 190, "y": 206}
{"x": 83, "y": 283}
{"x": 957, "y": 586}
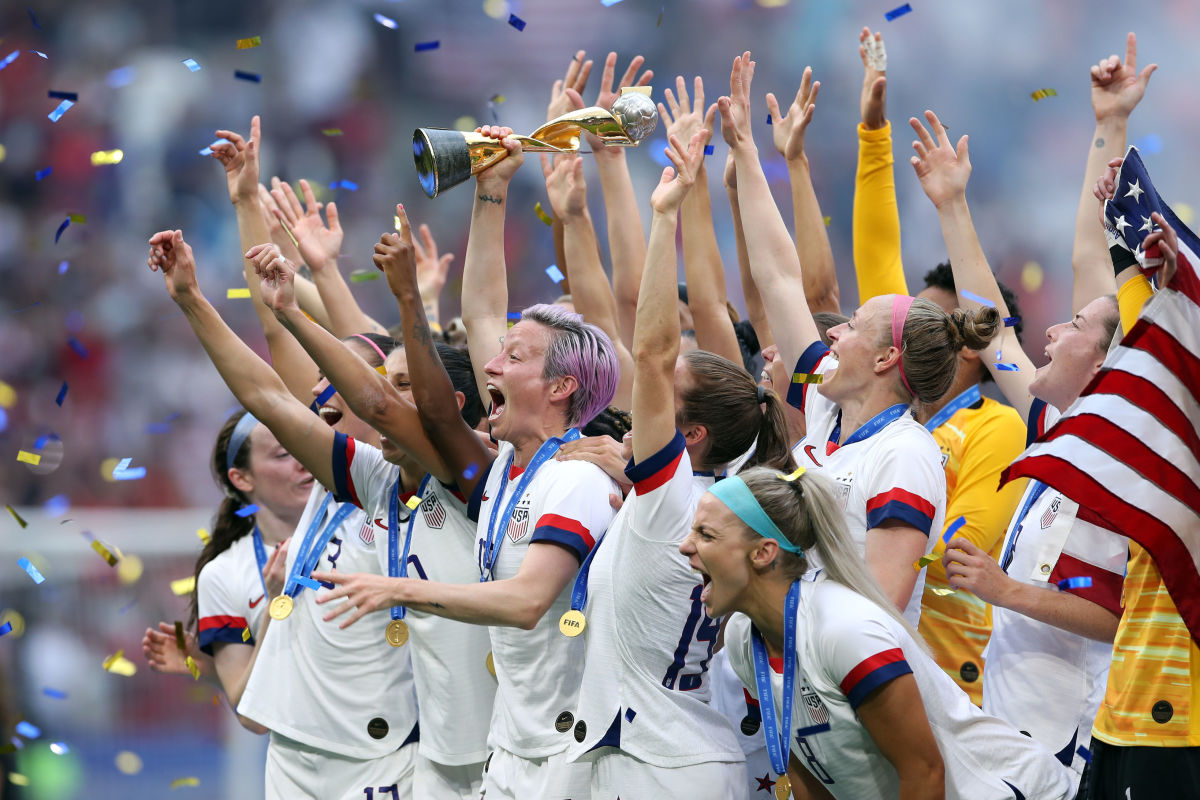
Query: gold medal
{"x": 397, "y": 632}
{"x": 490, "y": 663}
{"x": 281, "y": 606}
{"x": 783, "y": 788}
{"x": 572, "y": 623}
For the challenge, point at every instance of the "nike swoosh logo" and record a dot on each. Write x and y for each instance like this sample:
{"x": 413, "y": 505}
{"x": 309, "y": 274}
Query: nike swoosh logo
{"x": 808, "y": 451}
{"x": 379, "y": 521}
{"x": 253, "y": 603}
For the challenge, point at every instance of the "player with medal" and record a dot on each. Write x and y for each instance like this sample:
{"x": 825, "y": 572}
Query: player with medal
{"x": 852, "y": 704}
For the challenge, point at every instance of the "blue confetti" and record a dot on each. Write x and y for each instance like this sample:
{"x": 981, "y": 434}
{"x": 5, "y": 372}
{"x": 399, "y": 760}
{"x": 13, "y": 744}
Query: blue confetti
{"x": 308, "y": 582}
{"x": 28, "y": 729}
{"x": 1149, "y": 144}
{"x": 322, "y": 398}
{"x": 471, "y": 471}
{"x": 386, "y": 22}
{"x": 121, "y": 76}
{"x": 348, "y": 185}
{"x": 514, "y": 316}
{"x": 768, "y": 119}
{"x": 27, "y": 565}
{"x": 1080, "y": 582}
{"x": 1008, "y": 367}
{"x": 3, "y": 420}
{"x": 11, "y": 57}
{"x": 247, "y": 510}
{"x": 40, "y": 53}
{"x": 64, "y": 265}
{"x": 555, "y": 273}
{"x": 953, "y": 529}
{"x": 55, "y": 693}
{"x": 1012, "y": 322}
{"x": 516, "y": 22}
{"x": 192, "y": 64}
{"x": 36, "y": 25}
{"x": 62, "y": 394}
{"x": 983, "y": 301}
{"x": 1084, "y": 753}
{"x": 5, "y": 628}
{"x": 72, "y": 96}
{"x": 247, "y": 76}
{"x": 607, "y": 3}
{"x": 42, "y": 440}
{"x": 59, "y": 748}
{"x": 57, "y": 506}
{"x": 58, "y": 234}
{"x": 421, "y": 47}
{"x": 158, "y": 427}
{"x": 899, "y": 11}
{"x": 123, "y": 472}
{"x": 708, "y": 150}
{"x": 208, "y": 150}
{"x": 43, "y": 173}
{"x": 78, "y": 347}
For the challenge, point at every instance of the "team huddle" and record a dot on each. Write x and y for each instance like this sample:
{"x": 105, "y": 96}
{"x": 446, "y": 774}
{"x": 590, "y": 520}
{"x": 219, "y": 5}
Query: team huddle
{"x": 629, "y": 545}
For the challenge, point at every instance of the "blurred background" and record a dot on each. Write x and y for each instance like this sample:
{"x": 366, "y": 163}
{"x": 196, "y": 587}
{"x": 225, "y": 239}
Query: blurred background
{"x": 84, "y": 311}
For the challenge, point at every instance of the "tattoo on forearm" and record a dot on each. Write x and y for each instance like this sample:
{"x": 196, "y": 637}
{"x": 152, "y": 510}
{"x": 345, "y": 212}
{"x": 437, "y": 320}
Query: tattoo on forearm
{"x": 1100, "y": 142}
{"x": 491, "y": 198}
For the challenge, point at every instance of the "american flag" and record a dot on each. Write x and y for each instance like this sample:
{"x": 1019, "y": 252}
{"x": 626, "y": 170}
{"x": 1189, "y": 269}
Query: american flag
{"x": 1128, "y": 450}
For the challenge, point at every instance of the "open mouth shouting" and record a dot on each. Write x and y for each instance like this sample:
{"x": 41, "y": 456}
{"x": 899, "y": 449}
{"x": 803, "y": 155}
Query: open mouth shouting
{"x": 497, "y": 398}
{"x": 330, "y": 414}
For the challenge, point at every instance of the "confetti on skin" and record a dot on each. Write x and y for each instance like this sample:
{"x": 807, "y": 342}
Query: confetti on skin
{"x": 983, "y": 301}
{"x": 555, "y": 273}
{"x": 386, "y": 22}
{"x": 421, "y": 47}
{"x": 237, "y": 294}
{"x": 208, "y": 150}
{"x": 323, "y": 398}
{"x": 1012, "y": 322}
{"x": 926, "y": 560}
{"x": 124, "y": 472}
{"x": 542, "y": 215}
{"x": 33, "y": 572}
{"x": 26, "y": 457}
{"x": 246, "y": 44}
{"x": 5, "y": 628}
{"x": 363, "y": 275}
{"x": 72, "y": 96}
{"x": 10, "y": 58}
{"x": 348, "y": 185}
{"x": 898, "y": 12}
{"x": 62, "y": 395}
{"x": 516, "y": 22}
{"x": 1080, "y": 582}
{"x": 253, "y": 77}
{"x": 204, "y": 535}
{"x": 470, "y": 471}
{"x": 247, "y": 511}
{"x": 709, "y": 150}
{"x": 43, "y": 173}
{"x": 104, "y": 552}
{"x": 54, "y": 693}
{"x": 1008, "y": 367}
{"x": 953, "y": 529}
{"x": 17, "y": 517}
{"x": 103, "y": 157}
{"x": 1042, "y": 94}
{"x": 183, "y": 586}
{"x": 332, "y": 131}
{"x": 175, "y": 784}
{"x": 28, "y": 729}
{"x": 192, "y": 64}
{"x": 192, "y": 668}
{"x": 804, "y": 377}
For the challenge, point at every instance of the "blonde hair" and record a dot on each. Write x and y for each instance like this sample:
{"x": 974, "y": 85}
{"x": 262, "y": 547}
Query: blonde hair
{"x": 931, "y": 340}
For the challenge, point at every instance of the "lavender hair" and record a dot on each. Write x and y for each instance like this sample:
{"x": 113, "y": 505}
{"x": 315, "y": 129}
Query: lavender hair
{"x": 584, "y": 352}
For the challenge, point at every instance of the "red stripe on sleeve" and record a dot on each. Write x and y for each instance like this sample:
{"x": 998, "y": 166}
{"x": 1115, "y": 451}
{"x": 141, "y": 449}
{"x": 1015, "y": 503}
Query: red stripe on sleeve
{"x": 208, "y": 623}
{"x": 869, "y": 665}
{"x": 647, "y": 485}
{"x": 1105, "y": 590}
{"x": 567, "y": 524}
{"x": 904, "y": 496}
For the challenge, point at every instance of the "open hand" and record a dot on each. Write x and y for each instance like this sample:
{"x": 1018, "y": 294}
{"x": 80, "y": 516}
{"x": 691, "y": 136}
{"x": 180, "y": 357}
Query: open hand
{"x": 565, "y": 96}
{"x": 272, "y": 216}
{"x": 431, "y": 268}
{"x": 276, "y": 275}
{"x": 942, "y": 170}
{"x": 364, "y": 594}
{"x": 675, "y": 183}
{"x": 318, "y": 243}
{"x": 395, "y": 258}
{"x": 162, "y": 650}
{"x": 172, "y": 256}
{"x": 681, "y": 120}
{"x": 605, "y": 452}
{"x": 1117, "y": 86}
{"x": 240, "y": 159}
{"x": 873, "y": 102}
{"x": 565, "y": 186}
{"x": 788, "y": 131}
{"x": 735, "y": 107}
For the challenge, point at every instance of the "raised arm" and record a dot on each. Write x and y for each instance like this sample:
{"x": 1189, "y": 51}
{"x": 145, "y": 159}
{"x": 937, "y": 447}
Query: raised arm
{"x": 589, "y": 286}
{"x": 307, "y": 294}
{"x": 754, "y": 304}
{"x": 319, "y": 244}
{"x": 812, "y": 240}
{"x": 370, "y": 395}
{"x": 432, "y": 269}
{"x": 240, "y": 159}
{"x": 876, "y": 225}
{"x": 485, "y": 275}
{"x": 701, "y": 257}
{"x": 1117, "y": 88}
{"x": 465, "y": 455}
{"x": 256, "y": 386}
{"x": 771, "y": 252}
{"x": 944, "y": 172}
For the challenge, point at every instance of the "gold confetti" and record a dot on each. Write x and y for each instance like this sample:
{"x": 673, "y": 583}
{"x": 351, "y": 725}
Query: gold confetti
{"x": 104, "y": 552}
{"x": 497, "y": 99}
{"x": 412, "y": 503}
{"x": 542, "y": 215}
{"x": 364, "y": 275}
{"x": 8, "y": 395}
{"x": 828, "y": 221}
{"x": 183, "y": 585}
{"x": 246, "y": 44}
{"x": 3, "y": 152}
{"x": 1185, "y": 212}
{"x": 925, "y": 561}
{"x": 396, "y": 222}
{"x": 465, "y": 123}
{"x": 1041, "y": 94}
{"x": 78, "y": 219}
{"x": 331, "y": 131}
{"x": 26, "y": 457}
{"x": 943, "y": 592}
{"x": 17, "y": 779}
{"x": 204, "y": 535}
{"x": 175, "y": 784}
{"x": 106, "y": 469}
{"x": 237, "y": 294}
{"x": 17, "y": 517}
{"x": 804, "y": 377}
{"x": 130, "y": 569}
{"x": 382, "y": 370}
{"x": 102, "y": 157}
{"x": 1032, "y": 276}
{"x": 129, "y": 762}
{"x": 245, "y": 634}
{"x": 192, "y": 668}
{"x": 118, "y": 664}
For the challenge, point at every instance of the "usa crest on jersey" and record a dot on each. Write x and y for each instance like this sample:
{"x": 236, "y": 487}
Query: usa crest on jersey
{"x": 434, "y": 512}
{"x": 518, "y": 524}
{"x": 1050, "y": 513}
{"x": 818, "y": 714}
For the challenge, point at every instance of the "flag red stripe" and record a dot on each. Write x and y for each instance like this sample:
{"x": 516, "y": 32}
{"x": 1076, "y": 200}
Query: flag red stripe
{"x": 1185, "y": 279}
{"x": 1107, "y": 510}
{"x": 1147, "y": 396}
{"x": 1174, "y": 356}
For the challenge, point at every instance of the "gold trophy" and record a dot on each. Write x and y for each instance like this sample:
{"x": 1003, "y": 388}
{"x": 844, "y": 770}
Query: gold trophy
{"x": 446, "y": 158}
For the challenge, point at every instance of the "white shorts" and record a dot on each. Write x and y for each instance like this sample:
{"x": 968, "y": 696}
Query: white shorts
{"x": 434, "y": 781}
{"x": 620, "y": 776}
{"x": 296, "y": 771}
{"x": 510, "y": 777}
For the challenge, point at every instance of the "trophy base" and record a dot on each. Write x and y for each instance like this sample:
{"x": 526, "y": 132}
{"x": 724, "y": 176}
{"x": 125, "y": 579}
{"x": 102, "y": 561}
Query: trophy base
{"x": 443, "y": 159}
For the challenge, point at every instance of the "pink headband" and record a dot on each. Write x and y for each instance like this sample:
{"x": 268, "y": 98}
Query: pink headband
{"x": 900, "y": 306}
{"x": 375, "y": 347}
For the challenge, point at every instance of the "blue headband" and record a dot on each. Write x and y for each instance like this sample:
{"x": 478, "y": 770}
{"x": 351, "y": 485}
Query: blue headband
{"x": 735, "y": 494}
{"x": 238, "y": 438}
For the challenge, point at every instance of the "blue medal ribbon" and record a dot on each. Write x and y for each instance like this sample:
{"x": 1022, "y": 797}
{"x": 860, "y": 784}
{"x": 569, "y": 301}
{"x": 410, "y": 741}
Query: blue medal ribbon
{"x": 398, "y": 567}
{"x": 1035, "y": 491}
{"x": 260, "y": 555}
{"x": 870, "y": 427}
{"x": 779, "y": 745}
{"x": 491, "y": 546}
{"x": 968, "y": 398}
{"x": 313, "y": 545}
{"x": 579, "y": 590}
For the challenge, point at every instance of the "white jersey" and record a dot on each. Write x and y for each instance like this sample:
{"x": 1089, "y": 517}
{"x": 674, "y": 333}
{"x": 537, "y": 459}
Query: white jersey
{"x": 344, "y": 691}
{"x": 1030, "y": 662}
{"x": 538, "y": 671}
{"x": 230, "y": 597}
{"x": 846, "y": 647}
{"x": 890, "y": 470}
{"x": 449, "y": 658}
{"x": 646, "y": 687}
